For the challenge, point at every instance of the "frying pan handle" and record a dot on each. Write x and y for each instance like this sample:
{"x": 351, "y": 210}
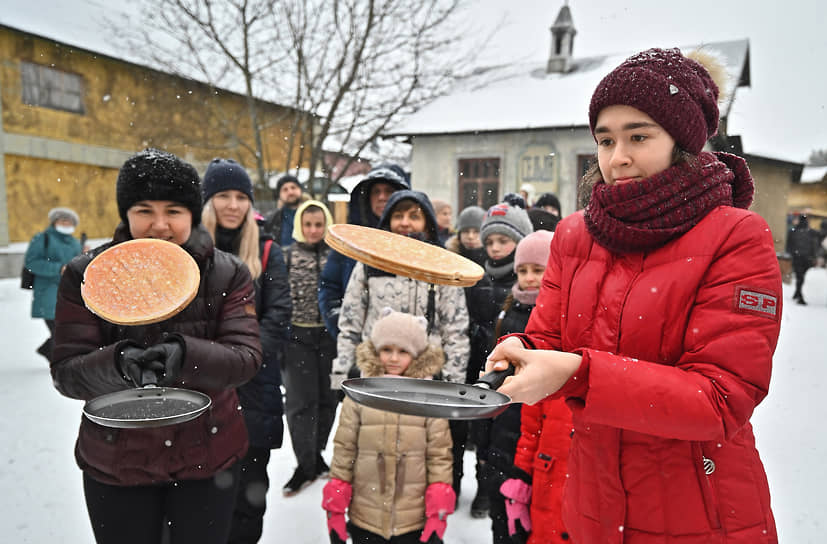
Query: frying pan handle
{"x": 493, "y": 380}
{"x": 149, "y": 378}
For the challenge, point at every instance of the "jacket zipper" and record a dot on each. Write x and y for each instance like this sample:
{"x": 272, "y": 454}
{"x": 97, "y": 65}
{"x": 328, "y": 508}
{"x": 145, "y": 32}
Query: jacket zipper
{"x": 705, "y": 468}
{"x": 626, "y": 298}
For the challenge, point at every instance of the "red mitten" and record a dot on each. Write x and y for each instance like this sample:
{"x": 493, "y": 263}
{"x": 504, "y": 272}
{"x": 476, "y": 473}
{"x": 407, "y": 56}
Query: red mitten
{"x": 439, "y": 503}
{"x": 517, "y": 495}
{"x": 335, "y": 500}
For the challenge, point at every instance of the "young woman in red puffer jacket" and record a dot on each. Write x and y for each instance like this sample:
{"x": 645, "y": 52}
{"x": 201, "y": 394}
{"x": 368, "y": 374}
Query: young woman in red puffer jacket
{"x": 656, "y": 321}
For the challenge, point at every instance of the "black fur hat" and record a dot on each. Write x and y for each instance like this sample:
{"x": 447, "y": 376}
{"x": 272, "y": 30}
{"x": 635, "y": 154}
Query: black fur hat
{"x": 153, "y": 174}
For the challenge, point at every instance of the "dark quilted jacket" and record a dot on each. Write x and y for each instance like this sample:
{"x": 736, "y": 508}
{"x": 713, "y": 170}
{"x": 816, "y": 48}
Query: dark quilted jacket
{"x": 261, "y": 396}
{"x": 484, "y": 299}
{"x": 222, "y": 351}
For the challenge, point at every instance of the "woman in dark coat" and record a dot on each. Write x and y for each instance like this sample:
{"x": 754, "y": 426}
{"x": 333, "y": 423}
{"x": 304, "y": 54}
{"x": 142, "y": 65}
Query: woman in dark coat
{"x": 229, "y": 217}
{"x": 183, "y": 477}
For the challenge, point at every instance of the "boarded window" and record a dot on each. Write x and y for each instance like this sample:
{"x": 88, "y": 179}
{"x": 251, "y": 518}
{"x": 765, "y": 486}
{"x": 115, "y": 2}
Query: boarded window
{"x": 479, "y": 182}
{"x": 49, "y": 88}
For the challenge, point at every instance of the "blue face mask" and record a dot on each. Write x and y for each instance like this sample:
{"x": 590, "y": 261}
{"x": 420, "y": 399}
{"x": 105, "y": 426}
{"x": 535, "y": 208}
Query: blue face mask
{"x": 64, "y": 229}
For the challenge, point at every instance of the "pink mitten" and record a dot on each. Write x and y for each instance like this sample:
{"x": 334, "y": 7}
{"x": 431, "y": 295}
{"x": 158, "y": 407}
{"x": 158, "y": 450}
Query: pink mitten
{"x": 335, "y": 500}
{"x": 439, "y": 503}
{"x": 517, "y": 495}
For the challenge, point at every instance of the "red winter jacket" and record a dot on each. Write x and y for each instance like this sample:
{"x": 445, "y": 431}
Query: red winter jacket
{"x": 542, "y": 452}
{"x": 222, "y": 351}
{"x": 677, "y": 351}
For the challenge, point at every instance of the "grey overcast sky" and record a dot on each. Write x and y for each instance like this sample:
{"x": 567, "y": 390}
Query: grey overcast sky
{"x": 783, "y": 114}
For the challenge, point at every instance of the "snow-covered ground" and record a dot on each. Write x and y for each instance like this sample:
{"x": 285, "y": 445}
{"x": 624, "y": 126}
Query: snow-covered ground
{"x": 42, "y": 500}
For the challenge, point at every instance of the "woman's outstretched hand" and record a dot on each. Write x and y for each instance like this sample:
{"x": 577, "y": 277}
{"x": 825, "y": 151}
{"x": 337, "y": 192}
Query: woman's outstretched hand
{"x": 538, "y": 373}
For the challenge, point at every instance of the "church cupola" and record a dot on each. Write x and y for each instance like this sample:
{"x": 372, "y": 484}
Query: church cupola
{"x": 562, "y": 42}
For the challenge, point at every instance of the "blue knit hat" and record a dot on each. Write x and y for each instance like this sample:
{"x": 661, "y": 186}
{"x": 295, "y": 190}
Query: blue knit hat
{"x": 225, "y": 175}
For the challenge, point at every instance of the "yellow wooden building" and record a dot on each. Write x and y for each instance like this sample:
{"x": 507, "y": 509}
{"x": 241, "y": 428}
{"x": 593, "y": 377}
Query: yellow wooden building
{"x": 70, "y": 117}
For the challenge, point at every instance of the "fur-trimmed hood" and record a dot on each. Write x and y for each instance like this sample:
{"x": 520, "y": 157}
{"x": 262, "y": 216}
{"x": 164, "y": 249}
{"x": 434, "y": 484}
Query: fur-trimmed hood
{"x": 428, "y": 364}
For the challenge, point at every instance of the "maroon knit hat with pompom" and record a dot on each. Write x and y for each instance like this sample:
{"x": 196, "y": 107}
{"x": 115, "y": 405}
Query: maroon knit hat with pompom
{"x": 675, "y": 91}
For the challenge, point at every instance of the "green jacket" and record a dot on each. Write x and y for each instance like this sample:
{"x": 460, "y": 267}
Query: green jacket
{"x": 45, "y": 260}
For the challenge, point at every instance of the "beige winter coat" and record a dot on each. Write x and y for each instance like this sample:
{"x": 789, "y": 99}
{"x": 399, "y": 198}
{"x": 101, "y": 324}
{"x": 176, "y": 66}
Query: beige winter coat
{"x": 390, "y": 459}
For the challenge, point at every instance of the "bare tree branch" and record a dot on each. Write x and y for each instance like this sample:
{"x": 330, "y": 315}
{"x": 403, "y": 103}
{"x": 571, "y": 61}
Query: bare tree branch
{"x": 346, "y": 70}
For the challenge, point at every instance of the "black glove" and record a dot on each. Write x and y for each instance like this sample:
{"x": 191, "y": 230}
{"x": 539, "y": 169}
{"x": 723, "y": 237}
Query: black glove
{"x": 165, "y": 359}
{"x": 434, "y": 539}
{"x": 129, "y": 362}
{"x": 334, "y": 538}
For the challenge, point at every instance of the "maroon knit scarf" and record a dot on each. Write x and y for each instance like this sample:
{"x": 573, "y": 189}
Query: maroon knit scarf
{"x": 645, "y": 215}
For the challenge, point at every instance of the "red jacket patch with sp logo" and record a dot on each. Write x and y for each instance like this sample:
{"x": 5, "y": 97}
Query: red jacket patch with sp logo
{"x": 750, "y": 300}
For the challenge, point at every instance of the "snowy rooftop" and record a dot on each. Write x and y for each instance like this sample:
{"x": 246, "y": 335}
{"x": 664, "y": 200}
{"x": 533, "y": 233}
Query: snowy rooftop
{"x": 813, "y": 174}
{"x": 523, "y": 96}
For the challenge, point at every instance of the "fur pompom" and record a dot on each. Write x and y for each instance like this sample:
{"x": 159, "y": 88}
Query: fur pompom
{"x": 715, "y": 67}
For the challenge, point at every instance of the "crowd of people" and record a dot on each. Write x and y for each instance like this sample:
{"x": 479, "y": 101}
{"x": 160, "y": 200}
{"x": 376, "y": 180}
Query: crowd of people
{"x": 641, "y": 330}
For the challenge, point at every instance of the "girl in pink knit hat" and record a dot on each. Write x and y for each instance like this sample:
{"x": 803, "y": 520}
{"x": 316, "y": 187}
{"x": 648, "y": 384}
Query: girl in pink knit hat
{"x": 392, "y": 473}
{"x": 656, "y": 321}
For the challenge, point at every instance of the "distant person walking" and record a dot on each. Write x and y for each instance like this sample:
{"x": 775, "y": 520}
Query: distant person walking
{"x": 48, "y": 253}
{"x": 802, "y": 244}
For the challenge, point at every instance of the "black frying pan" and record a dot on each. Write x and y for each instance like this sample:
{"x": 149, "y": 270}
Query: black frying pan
{"x": 147, "y": 406}
{"x": 430, "y": 398}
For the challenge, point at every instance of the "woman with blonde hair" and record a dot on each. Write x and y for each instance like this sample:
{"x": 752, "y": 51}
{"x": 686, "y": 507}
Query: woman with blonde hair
{"x": 229, "y": 217}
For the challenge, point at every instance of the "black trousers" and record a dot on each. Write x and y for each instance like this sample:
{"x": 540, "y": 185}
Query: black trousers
{"x": 459, "y": 435}
{"x": 251, "y": 499}
{"x": 800, "y": 267}
{"x": 191, "y": 511}
{"x": 361, "y": 536}
{"x": 45, "y": 348}
{"x": 310, "y": 406}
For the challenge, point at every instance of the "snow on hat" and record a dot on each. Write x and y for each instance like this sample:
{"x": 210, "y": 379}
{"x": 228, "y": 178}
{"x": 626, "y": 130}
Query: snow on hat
{"x": 470, "y": 218}
{"x": 677, "y": 92}
{"x": 56, "y": 214}
{"x": 534, "y": 248}
{"x": 510, "y": 221}
{"x": 225, "y": 175}
{"x": 402, "y": 330}
{"x": 153, "y": 174}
